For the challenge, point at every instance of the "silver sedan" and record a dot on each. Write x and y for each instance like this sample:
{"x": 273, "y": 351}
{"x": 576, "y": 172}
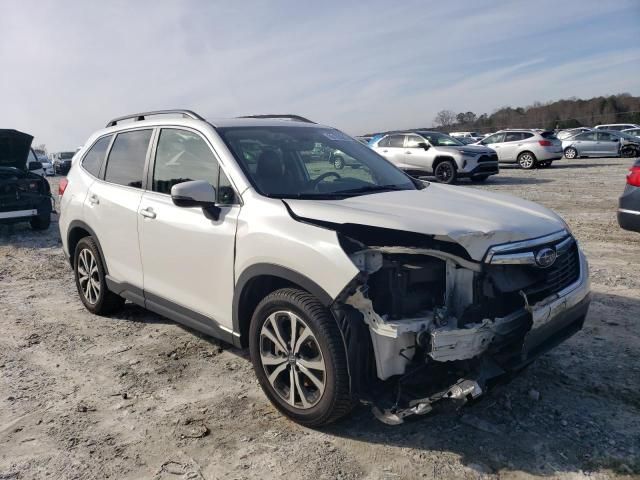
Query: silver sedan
{"x": 597, "y": 143}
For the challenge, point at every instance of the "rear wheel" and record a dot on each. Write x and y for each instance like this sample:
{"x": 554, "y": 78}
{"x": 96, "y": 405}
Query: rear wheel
{"x": 527, "y": 160}
{"x": 445, "y": 172}
{"x": 338, "y": 162}
{"x": 90, "y": 279}
{"x": 570, "y": 153}
{"x": 41, "y": 222}
{"x": 299, "y": 358}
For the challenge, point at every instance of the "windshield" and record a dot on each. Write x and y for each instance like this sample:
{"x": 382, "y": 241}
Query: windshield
{"x": 309, "y": 162}
{"x": 440, "y": 139}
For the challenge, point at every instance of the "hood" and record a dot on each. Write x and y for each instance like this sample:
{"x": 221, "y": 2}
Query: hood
{"x": 14, "y": 149}
{"x": 472, "y": 149}
{"x": 475, "y": 219}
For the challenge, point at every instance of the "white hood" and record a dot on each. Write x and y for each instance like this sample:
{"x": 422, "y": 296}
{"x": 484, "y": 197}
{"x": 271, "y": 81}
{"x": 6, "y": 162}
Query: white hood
{"x": 476, "y": 219}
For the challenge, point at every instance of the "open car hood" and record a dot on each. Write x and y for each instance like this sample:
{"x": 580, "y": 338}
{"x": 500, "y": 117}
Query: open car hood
{"x": 14, "y": 149}
{"x": 475, "y": 219}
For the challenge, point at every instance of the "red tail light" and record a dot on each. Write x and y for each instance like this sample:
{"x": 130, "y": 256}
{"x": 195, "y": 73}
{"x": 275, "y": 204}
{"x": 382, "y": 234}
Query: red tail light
{"x": 545, "y": 143}
{"x": 633, "y": 177}
{"x": 62, "y": 186}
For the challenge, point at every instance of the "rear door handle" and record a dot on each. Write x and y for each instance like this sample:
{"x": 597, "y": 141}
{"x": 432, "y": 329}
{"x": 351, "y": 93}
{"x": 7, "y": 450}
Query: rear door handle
{"x": 148, "y": 212}
{"x": 94, "y": 200}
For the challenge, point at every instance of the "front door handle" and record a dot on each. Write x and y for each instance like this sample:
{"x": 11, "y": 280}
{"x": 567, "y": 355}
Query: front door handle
{"x": 148, "y": 212}
{"x": 408, "y": 152}
{"x": 94, "y": 200}
{"x": 384, "y": 151}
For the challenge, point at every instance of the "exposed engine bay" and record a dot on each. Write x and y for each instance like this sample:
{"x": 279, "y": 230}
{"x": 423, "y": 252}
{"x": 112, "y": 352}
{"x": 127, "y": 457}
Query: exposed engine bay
{"x": 442, "y": 325}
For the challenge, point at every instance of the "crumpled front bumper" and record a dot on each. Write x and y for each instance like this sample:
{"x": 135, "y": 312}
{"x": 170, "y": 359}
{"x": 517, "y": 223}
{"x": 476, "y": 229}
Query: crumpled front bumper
{"x": 553, "y": 320}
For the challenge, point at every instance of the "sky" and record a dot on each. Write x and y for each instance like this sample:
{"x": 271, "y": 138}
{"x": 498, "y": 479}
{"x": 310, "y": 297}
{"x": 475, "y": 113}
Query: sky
{"x": 67, "y": 67}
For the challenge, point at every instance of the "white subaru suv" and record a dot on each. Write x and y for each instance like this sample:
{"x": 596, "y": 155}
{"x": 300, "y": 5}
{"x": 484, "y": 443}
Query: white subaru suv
{"x": 358, "y": 285}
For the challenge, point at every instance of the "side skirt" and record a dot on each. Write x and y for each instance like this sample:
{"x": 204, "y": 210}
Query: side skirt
{"x": 172, "y": 311}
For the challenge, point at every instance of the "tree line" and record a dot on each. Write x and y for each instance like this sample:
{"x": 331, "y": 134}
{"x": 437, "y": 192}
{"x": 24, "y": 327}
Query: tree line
{"x": 566, "y": 113}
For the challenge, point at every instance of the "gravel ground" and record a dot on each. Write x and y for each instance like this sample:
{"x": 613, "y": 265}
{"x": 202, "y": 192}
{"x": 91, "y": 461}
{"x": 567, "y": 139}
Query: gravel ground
{"x": 137, "y": 396}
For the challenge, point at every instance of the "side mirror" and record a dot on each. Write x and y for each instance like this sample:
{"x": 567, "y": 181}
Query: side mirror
{"x": 424, "y": 145}
{"x": 35, "y": 166}
{"x": 196, "y": 193}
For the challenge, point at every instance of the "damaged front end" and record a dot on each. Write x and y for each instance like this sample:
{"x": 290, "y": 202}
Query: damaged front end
{"x": 439, "y": 325}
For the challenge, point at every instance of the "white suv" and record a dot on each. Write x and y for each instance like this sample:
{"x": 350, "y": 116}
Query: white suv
{"x": 344, "y": 285}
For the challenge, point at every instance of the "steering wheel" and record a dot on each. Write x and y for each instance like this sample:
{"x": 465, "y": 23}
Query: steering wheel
{"x": 314, "y": 183}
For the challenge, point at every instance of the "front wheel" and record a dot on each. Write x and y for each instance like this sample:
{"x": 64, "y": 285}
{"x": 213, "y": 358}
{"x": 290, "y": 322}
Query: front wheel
{"x": 445, "y": 172}
{"x": 338, "y": 163}
{"x": 299, "y": 358}
{"x": 527, "y": 160}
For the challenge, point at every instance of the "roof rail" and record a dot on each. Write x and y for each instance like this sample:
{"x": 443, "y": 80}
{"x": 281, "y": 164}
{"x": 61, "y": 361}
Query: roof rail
{"x": 141, "y": 116}
{"x": 296, "y": 118}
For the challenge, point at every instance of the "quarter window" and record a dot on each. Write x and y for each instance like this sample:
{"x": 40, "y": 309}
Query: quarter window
{"x": 125, "y": 165}
{"x": 183, "y": 156}
{"x": 92, "y": 161}
{"x": 384, "y": 142}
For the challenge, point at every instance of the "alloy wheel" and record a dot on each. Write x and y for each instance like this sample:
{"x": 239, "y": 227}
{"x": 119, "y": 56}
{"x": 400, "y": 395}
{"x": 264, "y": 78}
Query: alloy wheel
{"x": 570, "y": 153}
{"x": 444, "y": 172}
{"x": 88, "y": 276}
{"x": 292, "y": 359}
{"x": 526, "y": 161}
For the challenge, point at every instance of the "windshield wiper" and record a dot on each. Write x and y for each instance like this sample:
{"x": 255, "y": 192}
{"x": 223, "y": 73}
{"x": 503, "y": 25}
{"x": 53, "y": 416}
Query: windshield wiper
{"x": 370, "y": 189}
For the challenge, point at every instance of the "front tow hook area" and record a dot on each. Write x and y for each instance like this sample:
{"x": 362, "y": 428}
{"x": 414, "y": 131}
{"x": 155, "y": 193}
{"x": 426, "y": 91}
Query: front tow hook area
{"x": 458, "y": 394}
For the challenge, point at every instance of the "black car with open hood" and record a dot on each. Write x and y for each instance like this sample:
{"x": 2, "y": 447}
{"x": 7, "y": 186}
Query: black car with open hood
{"x": 24, "y": 195}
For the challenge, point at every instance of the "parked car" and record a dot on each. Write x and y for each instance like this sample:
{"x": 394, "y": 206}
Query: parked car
{"x": 460, "y": 135}
{"x": 616, "y": 126}
{"x": 25, "y": 196}
{"x": 527, "y": 148}
{"x": 47, "y": 166}
{"x": 629, "y": 202}
{"x": 632, "y": 131}
{"x": 598, "y": 143}
{"x": 339, "y": 283}
{"x": 433, "y": 152}
{"x": 62, "y": 162}
{"x": 570, "y": 132}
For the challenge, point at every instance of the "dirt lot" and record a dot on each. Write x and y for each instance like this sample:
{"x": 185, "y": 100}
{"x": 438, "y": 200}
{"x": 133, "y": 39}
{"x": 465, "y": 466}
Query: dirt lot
{"x": 137, "y": 396}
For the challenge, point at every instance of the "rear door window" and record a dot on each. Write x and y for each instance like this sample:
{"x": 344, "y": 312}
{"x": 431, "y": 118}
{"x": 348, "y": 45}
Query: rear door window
{"x": 605, "y": 137}
{"x": 513, "y": 136}
{"x": 92, "y": 161}
{"x": 125, "y": 165}
{"x": 586, "y": 136}
{"x": 396, "y": 141}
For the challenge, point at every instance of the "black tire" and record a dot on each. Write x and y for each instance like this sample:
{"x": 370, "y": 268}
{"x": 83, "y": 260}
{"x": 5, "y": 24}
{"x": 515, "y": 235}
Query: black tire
{"x": 570, "y": 153}
{"x": 479, "y": 178}
{"x": 445, "y": 172}
{"x": 106, "y": 302}
{"x": 41, "y": 222}
{"x": 527, "y": 160}
{"x": 628, "y": 152}
{"x": 336, "y": 401}
{"x": 338, "y": 162}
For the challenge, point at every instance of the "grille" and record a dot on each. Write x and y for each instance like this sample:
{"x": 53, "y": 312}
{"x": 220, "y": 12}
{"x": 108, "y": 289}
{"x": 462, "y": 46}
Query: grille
{"x": 564, "y": 272}
{"x": 488, "y": 158}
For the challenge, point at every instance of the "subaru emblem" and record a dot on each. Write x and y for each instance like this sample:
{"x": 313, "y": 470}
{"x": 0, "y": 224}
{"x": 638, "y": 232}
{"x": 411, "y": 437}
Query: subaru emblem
{"x": 546, "y": 257}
